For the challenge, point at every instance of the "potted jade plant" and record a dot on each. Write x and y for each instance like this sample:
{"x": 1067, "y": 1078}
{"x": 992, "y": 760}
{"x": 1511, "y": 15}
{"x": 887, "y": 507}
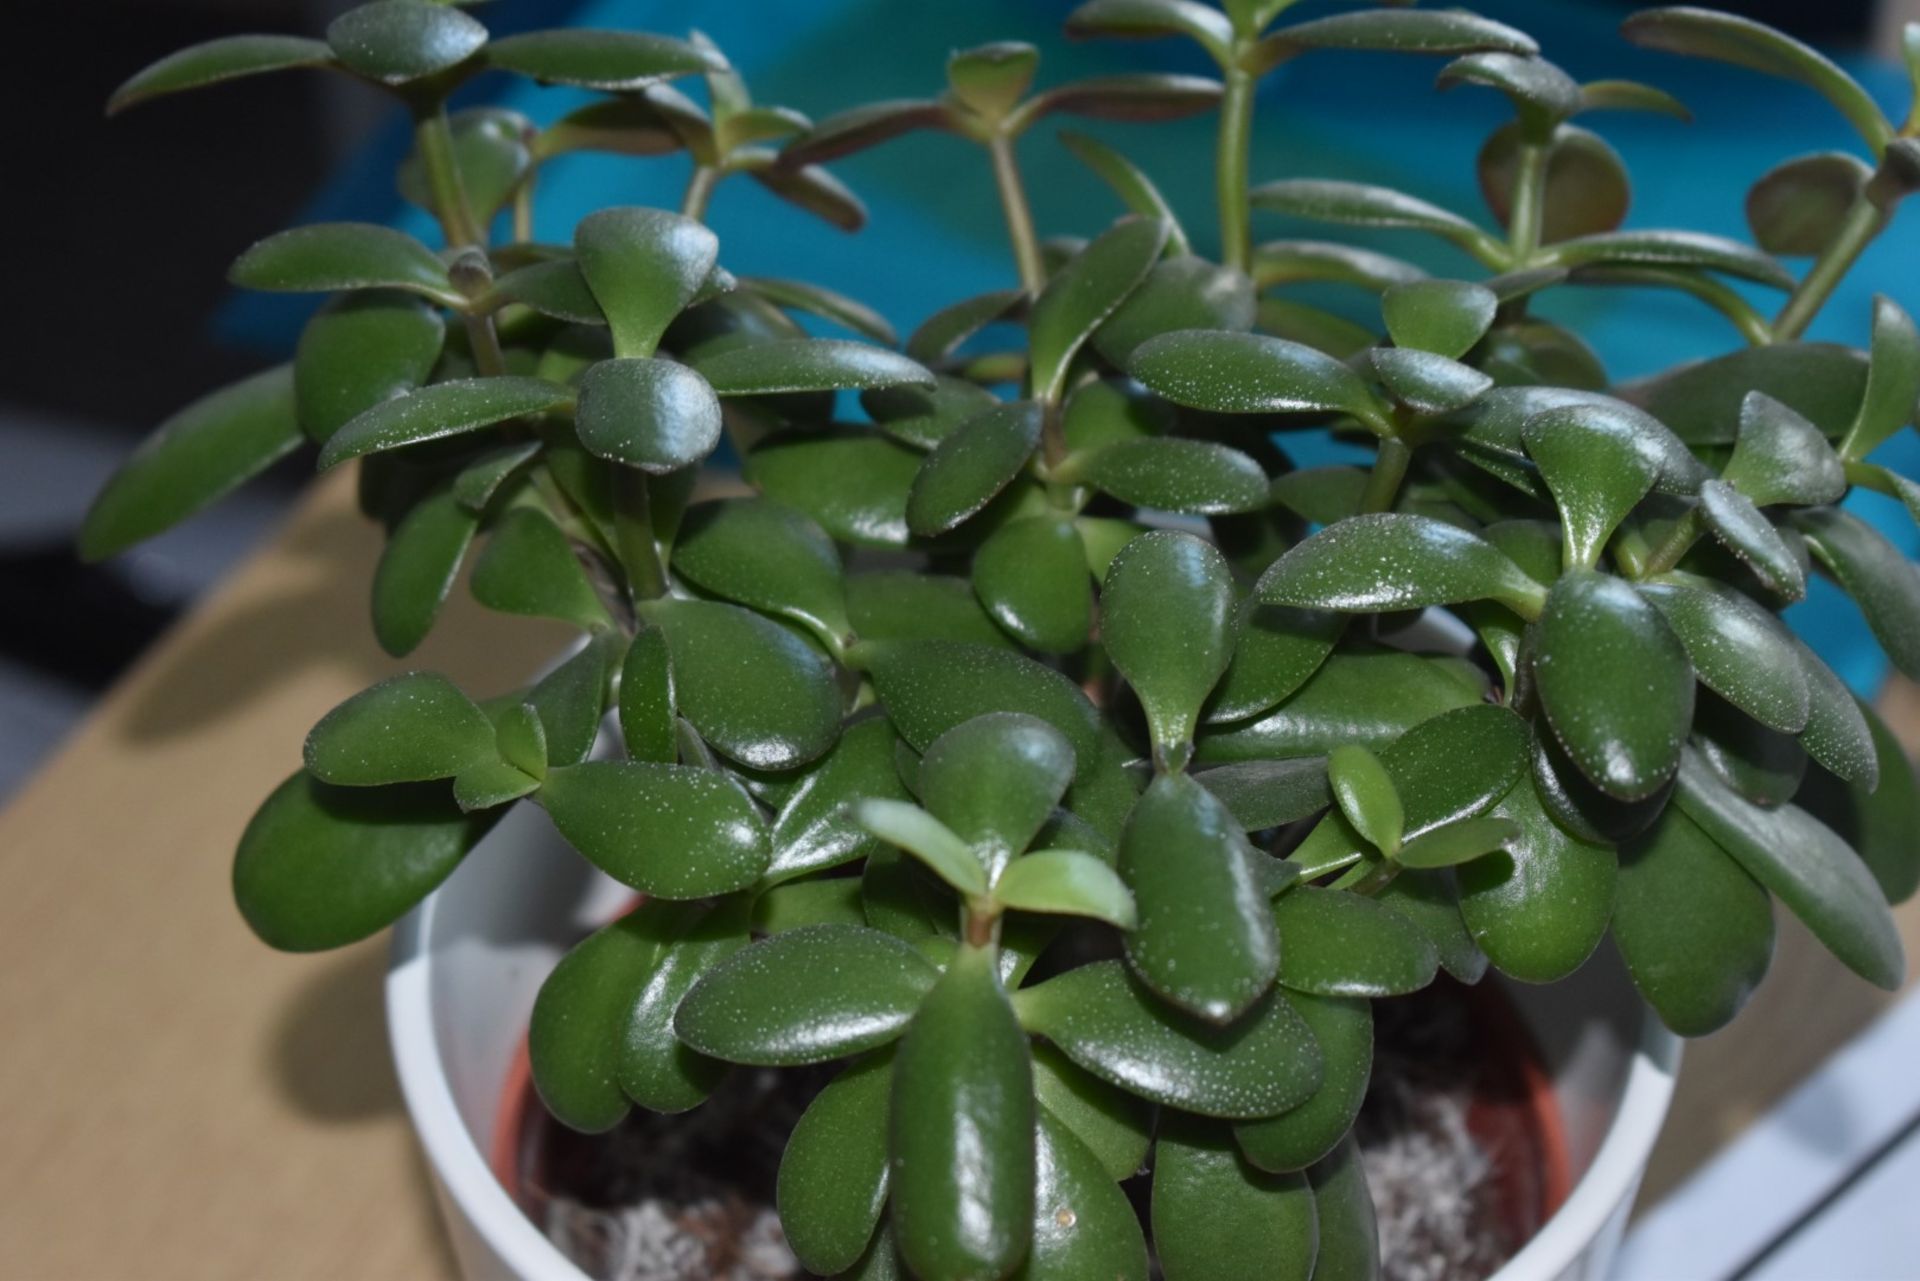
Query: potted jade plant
{"x": 1071, "y": 792}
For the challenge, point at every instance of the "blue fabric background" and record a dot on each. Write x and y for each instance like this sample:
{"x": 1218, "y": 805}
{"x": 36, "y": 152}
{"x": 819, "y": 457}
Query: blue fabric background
{"x": 935, "y": 232}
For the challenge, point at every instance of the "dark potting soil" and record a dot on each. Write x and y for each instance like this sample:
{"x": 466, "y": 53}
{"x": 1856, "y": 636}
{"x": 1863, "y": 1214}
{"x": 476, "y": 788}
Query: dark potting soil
{"x": 690, "y": 1197}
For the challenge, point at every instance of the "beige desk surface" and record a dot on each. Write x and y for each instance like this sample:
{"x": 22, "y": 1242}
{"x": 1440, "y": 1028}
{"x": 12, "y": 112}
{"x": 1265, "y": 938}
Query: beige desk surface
{"x": 178, "y": 1102}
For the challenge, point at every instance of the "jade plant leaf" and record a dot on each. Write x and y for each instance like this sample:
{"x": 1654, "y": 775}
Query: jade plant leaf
{"x": 963, "y": 1129}
{"x": 1167, "y": 615}
{"x": 1695, "y": 930}
{"x": 1276, "y": 650}
{"x": 1031, "y": 575}
{"x": 1587, "y": 189}
{"x": 1083, "y": 1224}
{"x": 833, "y": 1175}
{"x": 1542, "y": 94}
{"x": 897, "y": 604}
{"x": 528, "y": 568}
{"x": 1367, "y": 698}
{"x": 942, "y": 333}
{"x": 216, "y": 61}
{"x": 1067, "y": 882}
{"x": 828, "y": 304}
{"x": 1365, "y": 793}
{"x": 1780, "y": 457}
{"x": 643, "y": 266}
{"x": 672, "y": 831}
{"x": 929, "y": 687}
{"x": 920, "y": 834}
{"x": 1349, "y": 1231}
{"x": 1112, "y": 1025}
{"x": 968, "y": 469}
{"x": 1431, "y": 900}
{"x": 1180, "y": 293}
{"x": 1084, "y": 293}
{"x": 1215, "y": 1215}
{"x": 1137, "y": 95}
{"x": 864, "y": 126}
{"x": 417, "y": 569}
{"x": 1893, "y": 380}
{"x": 808, "y": 364}
{"x": 1333, "y": 943}
{"x": 1596, "y": 638}
{"x": 1807, "y": 866}
{"x": 855, "y": 484}
{"x": 399, "y": 41}
{"x": 1232, "y": 373}
{"x": 1405, "y": 31}
{"x": 1427, "y": 382}
{"x": 1837, "y": 733}
{"x": 1144, "y": 19}
{"x": 1726, "y": 37}
{"x": 1673, "y": 249}
{"x": 816, "y": 828}
{"x": 1739, "y": 650}
{"x": 359, "y": 350}
{"x": 795, "y": 905}
{"x": 572, "y": 699}
{"x": 444, "y": 409}
{"x": 1598, "y": 466}
{"x": 1134, "y": 188}
{"x": 195, "y": 457}
{"x": 1205, "y": 939}
{"x": 1879, "y": 822}
{"x": 1456, "y": 765}
{"x": 766, "y": 556}
{"x": 1113, "y": 1125}
{"x": 611, "y": 61}
{"x": 1343, "y": 1029}
{"x": 657, "y": 1071}
{"x": 1199, "y": 477}
{"x": 652, "y": 414}
{"x": 990, "y": 79}
{"x": 995, "y": 779}
{"x": 1458, "y": 842}
{"x": 1388, "y": 560}
{"x": 646, "y": 698}
{"x": 1702, "y": 402}
{"x": 1742, "y": 528}
{"x": 406, "y": 729}
{"x": 1263, "y": 794}
{"x": 924, "y": 417}
{"x": 1881, "y": 580}
{"x": 1361, "y": 205}
{"x": 1539, "y": 908}
{"x": 320, "y": 866}
{"x": 1442, "y": 316}
{"x": 806, "y": 996}
{"x": 754, "y": 689}
{"x": 1798, "y": 206}
{"x": 332, "y": 256}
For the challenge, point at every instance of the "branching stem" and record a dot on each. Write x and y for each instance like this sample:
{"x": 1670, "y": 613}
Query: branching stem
{"x": 433, "y": 138}
{"x": 1231, "y": 167}
{"x": 1864, "y": 221}
{"x": 1019, "y": 215}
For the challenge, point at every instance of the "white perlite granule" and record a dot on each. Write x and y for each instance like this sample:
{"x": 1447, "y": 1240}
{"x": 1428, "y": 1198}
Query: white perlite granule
{"x": 657, "y": 1241}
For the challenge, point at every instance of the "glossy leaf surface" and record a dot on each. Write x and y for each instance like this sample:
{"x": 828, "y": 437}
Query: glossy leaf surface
{"x": 1389, "y": 561}
{"x": 1739, "y": 650}
{"x": 605, "y": 60}
{"x": 1194, "y": 476}
{"x": 643, "y": 266}
{"x": 766, "y": 556}
{"x": 808, "y": 364}
{"x": 1598, "y": 467}
{"x": 216, "y": 61}
{"x": 995, "y": 779}
{"x": 1882, "y": 582}
{"x": 444, "y": 409}
{"x": 655, "y": 415}
{"x": 1298, "y": 1137}
{"x": 1085, "y": 292}
{"x": 1231, "y": 373}
{"x": 1031, "y": 575}
{"x": 1333, "y": 943}
{"x": 406, "y": 729}
{"x": 417, "y": 569}
{"x": 1442, "y": 316}
{"x": 399, "y": 41}
{"x": 528, "y": 568}
{"x": 1213, "y": 1213}
{"x": 1167, "y": 613}
{"x": 331, "y": 256}
{"x": 833, "y": 1174}
{"x": 358, "y": 351}
{"x": 672, "y": 831}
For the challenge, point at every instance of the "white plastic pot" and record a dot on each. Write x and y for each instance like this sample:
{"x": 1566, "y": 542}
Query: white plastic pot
{"x": 468, "y": 962}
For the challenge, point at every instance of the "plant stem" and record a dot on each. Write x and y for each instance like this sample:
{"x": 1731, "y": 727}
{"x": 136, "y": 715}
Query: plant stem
{"x": 1019, "y": 215}
{"x": 633, "y": 525}
{"x": 433, "y": 138}
{"x": 523, "y": 211}
{"x": 1679, "y": 541}
{"x": 1529, "y": 201}
{"x": 1389, "y": 470}
{"x": 1863, "y": 222}
{"x": 1230, "y": 167}
{"x": 699, "y": 192}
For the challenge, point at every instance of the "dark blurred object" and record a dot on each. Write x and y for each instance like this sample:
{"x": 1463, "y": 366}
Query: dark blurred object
{"x": 1840, "y": 22}
{"x": 86, "y": 626}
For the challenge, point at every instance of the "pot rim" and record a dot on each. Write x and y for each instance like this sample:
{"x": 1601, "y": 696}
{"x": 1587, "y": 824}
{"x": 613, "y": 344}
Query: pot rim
{"x": 466, "y": 1176}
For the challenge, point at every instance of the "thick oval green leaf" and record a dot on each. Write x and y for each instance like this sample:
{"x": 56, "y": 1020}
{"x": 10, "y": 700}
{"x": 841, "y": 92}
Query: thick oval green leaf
{"x": 1703, "y": 402}
{"x": 924, "y": 418}
{"x": 1360, "y": 205}
{"x": 1144, "y": 19}
{"x": 1298, "y": 1137}
{"x": 941, "y": 334}
{"x": 1365, "y": 793}
{"x": 833, "y": 1174}
{"x": 1276, "y": 650}
{"x": 1366, "y": 698}
{"x": 418, "y": 568}
{"x": 1670, "y": 248}
{"x": 916, "y": 832}
{"x": 1893, "y": 380}
{"x": 1113, "y": 1125}
{"x": 672, "y": 831}
{"x": 861, "y": 127}
{"x": 1443, "y": 316}
{"x": 644, "y": 266}
{"x": 995, "y": 779}
{"x": 1399, "y": 30}
{"x": 1456, "y": 765}
{"x": 1459, "y": 842}
{"x": 1542, "y": 94}
{"x": 1598, "y": 465}
{"x": 1426, "y": 382}
{"x": 360, "y": 350}
{"x": 215, "y": 61}
{"x": 477, "y": 483}
{"x": 1167, "y": 615}
{"x": 399, "y": 41}
{"x": 1205, "y": 939}
{"x": 1837, "y": 734}
{"x": 1031, "y": 575}
{"x": 1780, "y": 457}
{"x": 1349, "y": 1232}
{"x": 1083, "y": 1224}
{"x": 1387, "y": 561}
{"x": 1739, "y": 650}
{"x": 816, "y": 300}
{"x": 1798, "y": 206}
{"x": 806, "y": 996}
{"x": 320, "y": 867}
{"x": 1134, "y": 188}
{"x": 1540, "y": 907}
{"x": 1882, "y": 581}
{"x": 572, "y": 699}
{"x": 1879, "y": 822}
{"x": 1587, "y": 190}
{"x": 1703, "y": 33}
{"x": 1597, "y": 639}
{"x": 962, "y": 1169}
{"x": 1695, "y": 930}
{"x": 656, "y": 1070}
{"x": 990, "y": 79}
{"x": 1333, "y": 943}
{"x": 195, "y": 457}
{"x": 406, "y": 729}
{"x": 898, "y": 604}
{"x": 808, "y": 364}
{"x": 755, "y": 690}
{"x": 929, "y": 687}
{"x": 331, "y": 256}
{"x": 1744, "y": 530}
{"x": 444, "y": 409}
{"x": 652, "y": 414}
{"x": 1280, "y": 262}
{"x": 1232, "y": 373}
{"x": 808, "y": 187}
{"x": 527, "y": 567}
{"x": 1431, "y": 900}
{"x": 1112, "y": 1025}
{"x": 610, "y": 61}
{"x": 1138, "y": 95}
{"x": 1263, "y": 794}
{"x": 816, "y": 828}
{"x": 968, "y": 469}
{"x": 1084, "y": 293}
{"x": 1807, "y": 866}
{"x": 1198, "y": 477}
{"x": 767, "y": 556}
{"x": 855, "y": 483}
{"x": 1067, "y": 883}
{"x": 1215, "y": 1215}
{"x": 1180, "y": 293}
